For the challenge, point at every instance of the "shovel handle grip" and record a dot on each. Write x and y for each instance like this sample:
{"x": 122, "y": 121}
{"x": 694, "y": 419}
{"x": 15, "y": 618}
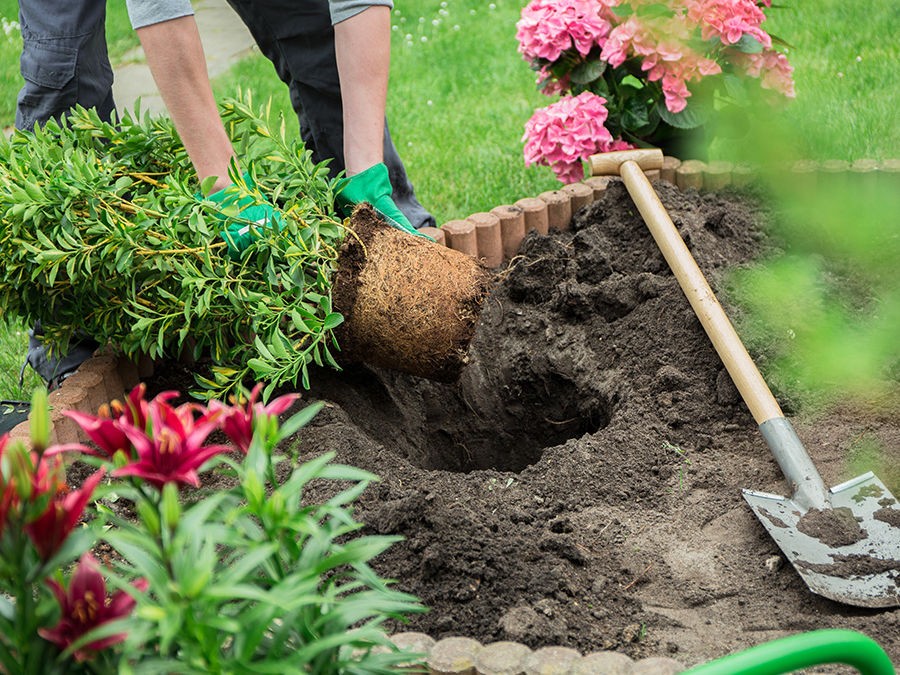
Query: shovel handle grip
{"x": 728, "y": 345}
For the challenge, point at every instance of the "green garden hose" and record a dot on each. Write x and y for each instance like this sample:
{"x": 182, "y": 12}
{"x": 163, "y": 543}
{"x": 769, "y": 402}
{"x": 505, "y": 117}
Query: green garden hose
{"x": 802, "y": 651}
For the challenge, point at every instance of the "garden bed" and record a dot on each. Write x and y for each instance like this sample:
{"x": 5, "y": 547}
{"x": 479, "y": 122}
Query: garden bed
{"x": 580, "y": 485}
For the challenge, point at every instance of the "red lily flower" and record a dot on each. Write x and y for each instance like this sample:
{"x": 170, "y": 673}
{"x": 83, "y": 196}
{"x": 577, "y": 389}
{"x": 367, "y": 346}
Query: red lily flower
{"x": 107, "y": 429}
{"x": 104, "y": 432}
{"x": 173, "y": 449}
{"x": 237, "y": 422}
{"x": 85, "y": 606}
{"x": 50, "y": 529}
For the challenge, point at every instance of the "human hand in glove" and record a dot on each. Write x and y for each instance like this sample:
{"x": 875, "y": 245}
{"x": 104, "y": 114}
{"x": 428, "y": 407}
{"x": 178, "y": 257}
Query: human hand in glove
{"x": 243, "y": 217}
{"x": 374, "y": 186}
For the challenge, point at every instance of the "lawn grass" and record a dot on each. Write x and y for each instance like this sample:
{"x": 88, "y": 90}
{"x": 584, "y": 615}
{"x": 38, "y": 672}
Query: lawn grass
{"x": 13, "y": 343}
{"x": 845, "y": 56}
{"x": 460, "y": 95}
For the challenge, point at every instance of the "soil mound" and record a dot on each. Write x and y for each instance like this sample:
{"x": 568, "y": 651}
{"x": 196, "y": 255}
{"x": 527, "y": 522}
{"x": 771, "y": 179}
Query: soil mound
{"x": 580, "y": 485}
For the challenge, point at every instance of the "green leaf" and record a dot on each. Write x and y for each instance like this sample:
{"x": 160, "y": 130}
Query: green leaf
{"x": 122, "y": 184}
{"x": 588, "y": 71}
{"x": 748, "y": 44}
{"x": 260, "y": 367}
{"x": 689, "y": 118}
{"x": 656, "y": 10}
{"x": 206, "y": 185}
{"x": 622, "y": 11}
{"x": 239, "y": 570}
{"x": 634, "y": 114}
{"x": 736, "y": 88}
{"x": 299, "y": 420}
{"x": 262, "y": 349}
{"x": 79, "y": 541}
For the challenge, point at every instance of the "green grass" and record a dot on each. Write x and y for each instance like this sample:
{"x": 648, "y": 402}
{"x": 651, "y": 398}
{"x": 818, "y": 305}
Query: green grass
{"x": 845, "y": 57}
{"x": 13, "y": 342}
{"x": 460, "y": 94}
{"x": 10, "y": 48}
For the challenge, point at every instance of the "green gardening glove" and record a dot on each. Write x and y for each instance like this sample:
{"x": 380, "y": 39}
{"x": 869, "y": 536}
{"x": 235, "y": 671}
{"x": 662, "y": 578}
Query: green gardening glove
{"x": 374, "y": 186}
{"x": 243, "y": 217}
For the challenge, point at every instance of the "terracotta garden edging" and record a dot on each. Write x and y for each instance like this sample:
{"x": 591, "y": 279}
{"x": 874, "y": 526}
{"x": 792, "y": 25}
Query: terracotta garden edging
{"x": 494, "y": 237}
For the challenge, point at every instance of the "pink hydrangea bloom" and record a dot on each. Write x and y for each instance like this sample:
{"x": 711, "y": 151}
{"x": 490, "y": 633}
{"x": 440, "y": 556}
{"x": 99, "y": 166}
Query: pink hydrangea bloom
{"x": 619, "y": 144}
{"x": 565, "y": 133}
{"x": 729, "y": 20}
{"x": 550, "y": 27}
{"x": 685, "y": 42}
{"x": 619, "y": 42}
{"x": 771, "y": 67}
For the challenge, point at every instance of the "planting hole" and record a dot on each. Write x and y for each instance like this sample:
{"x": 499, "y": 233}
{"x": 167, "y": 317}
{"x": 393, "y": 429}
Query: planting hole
{"x": 478, "y": 423}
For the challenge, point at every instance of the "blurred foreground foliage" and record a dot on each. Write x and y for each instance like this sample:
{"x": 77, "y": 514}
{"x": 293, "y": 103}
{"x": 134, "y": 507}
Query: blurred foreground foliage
{"x": 826, "y": 305}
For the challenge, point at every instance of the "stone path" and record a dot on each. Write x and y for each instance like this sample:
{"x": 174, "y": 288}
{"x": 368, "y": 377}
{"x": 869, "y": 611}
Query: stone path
{"x": 225, "y": 41}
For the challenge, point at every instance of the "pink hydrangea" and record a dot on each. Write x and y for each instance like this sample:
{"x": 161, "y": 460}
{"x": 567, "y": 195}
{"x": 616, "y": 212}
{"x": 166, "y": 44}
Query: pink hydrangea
{"x": 550, "y": 27}
{"x": 618, "y": 44}
{"x": 771, "y": 67}
{"x": 729, "y": 20}
{"x": 685, "y": 42}
{"x": 565, "y": 133}
{"x": 676, "y": 74}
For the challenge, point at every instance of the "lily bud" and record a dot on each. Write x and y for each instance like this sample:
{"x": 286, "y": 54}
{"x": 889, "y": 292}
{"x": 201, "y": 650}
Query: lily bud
{"x": 253, "y": 488}
{"x": 171, "y": 507}
{"x": 40, "y": 420}
{"x": 148, "y": 516}
{"x": 22, "y": 470}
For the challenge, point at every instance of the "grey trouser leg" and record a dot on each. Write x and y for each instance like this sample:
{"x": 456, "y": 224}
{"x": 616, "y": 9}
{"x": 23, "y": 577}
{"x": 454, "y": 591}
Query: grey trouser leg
{"x": 64, "y": 62}
{"x": 297, "y": 37}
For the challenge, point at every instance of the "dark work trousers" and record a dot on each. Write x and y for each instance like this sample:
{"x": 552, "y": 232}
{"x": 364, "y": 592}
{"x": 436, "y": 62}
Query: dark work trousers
{"x": 64, "y": 62}
{"x": 297, "y": 37}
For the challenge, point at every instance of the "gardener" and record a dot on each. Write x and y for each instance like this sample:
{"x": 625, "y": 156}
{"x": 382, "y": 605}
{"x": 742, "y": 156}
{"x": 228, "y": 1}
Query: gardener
{"x": 362, "y": 56}
{"x": 65, "y": 62}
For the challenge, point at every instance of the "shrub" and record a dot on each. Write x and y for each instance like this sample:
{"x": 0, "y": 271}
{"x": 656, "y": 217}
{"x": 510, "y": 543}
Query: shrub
{"x": 103, "y": 233}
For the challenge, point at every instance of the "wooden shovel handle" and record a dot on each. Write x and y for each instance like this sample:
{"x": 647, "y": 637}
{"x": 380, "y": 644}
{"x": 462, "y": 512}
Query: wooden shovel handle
{"x": 740, "y": 366}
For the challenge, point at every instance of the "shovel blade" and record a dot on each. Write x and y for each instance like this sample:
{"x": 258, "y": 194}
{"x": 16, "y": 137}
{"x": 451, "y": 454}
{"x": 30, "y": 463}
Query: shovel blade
{"x": 850, "y": 552}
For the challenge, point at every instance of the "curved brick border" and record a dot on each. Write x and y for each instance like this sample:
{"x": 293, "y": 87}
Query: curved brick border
{"x": 494, "y": 237}
{"x": 553, "y": 210}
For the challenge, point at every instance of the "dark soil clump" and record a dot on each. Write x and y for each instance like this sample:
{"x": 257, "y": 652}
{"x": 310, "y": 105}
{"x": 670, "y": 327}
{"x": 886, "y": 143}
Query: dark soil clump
{"x": 580, "y": 485}
{"x": 833, "y": 527}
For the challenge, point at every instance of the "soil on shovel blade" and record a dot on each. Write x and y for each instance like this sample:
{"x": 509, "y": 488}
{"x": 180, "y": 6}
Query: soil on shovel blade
{"x": 581, "y": 484}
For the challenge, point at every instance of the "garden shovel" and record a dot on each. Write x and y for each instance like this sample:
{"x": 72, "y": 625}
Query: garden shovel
{"x": 844, "y": 541}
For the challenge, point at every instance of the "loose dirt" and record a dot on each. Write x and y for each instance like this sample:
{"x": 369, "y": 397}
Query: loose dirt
{"x": 580, "y": 485}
